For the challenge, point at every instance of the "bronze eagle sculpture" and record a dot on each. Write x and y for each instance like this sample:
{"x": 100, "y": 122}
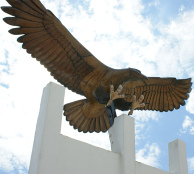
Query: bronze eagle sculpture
{"x": 72, "y": 65}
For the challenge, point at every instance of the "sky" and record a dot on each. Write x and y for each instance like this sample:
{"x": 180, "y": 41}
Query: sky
{"x": 154, "y": 36}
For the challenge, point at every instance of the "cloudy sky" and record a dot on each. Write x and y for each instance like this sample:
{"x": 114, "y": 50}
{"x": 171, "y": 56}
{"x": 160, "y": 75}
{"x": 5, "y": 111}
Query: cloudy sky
{"x": 154, "y": 36}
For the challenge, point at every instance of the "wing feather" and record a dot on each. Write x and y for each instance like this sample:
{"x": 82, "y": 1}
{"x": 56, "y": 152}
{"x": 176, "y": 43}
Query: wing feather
{"x": 31, "y": 36}
{"x": 52, "y": 56}
{"x": 22, "y": 22}
{"x": 97, "y": 125}
{"x": 155, "y": 98}
{"x": 76, "y": 118}
{"x": 106, "y": 122}
{"x": 163, "y": 94}
{"x": 165, "y": 99}
{"x": 152, "y": 98}
{"x": 79, "y": 122}
{"x": 87, "y": 125}
{"x": 179, "y": 97}
{"x": 41, "y": 49}
{"x": 175, "y": 102}
{"x": 35, "y": 42}
{"x": 83, "y": 124}
{"x": 170, "y": 101}
{"x": 36, "y": 6}
{"x": 161, "y": 99}
{"x": 22, "y": 14}
{"x": 92, "y": 125}
{"x": 23, "y": 7}
{"x": 182, "y": 95}
{"x": 55, "y": 63}
{"x": 46, "y": 55}
{"x": 158, "y": 99}
{"x": 19, "y": 31}
{"x": 183, "y": 90}
{"x": 102, "y": 124}
{"x": 147, "y": 96}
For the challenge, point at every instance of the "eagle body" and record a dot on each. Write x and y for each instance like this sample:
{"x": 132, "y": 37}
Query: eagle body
{"x": 72, "y": 65}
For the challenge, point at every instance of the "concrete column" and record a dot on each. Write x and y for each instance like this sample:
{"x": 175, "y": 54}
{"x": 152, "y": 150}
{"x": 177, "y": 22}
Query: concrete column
{"x": 50, "y": 114}
{"x": 177, "y": 157}
{"x": 122, "y": 139}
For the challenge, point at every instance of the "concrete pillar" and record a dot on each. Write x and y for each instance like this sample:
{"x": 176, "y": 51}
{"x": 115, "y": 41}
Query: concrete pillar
{"x": 122, "y": 139}
{"x": 50, "y": 114}
{"x": 177, "y": 157}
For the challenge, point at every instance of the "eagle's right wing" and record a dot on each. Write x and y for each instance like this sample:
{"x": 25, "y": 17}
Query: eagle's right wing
{"x": 47, "y": 40}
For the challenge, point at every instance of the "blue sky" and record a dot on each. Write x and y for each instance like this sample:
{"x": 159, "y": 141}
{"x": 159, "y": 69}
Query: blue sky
{"x": 154, "y": 36}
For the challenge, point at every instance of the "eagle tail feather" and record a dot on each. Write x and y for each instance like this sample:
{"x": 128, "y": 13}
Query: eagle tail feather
{"x": 76, "y": 114}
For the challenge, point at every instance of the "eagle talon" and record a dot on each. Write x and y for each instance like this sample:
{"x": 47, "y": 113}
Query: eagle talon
{"x": 116, "y": 94}
{"x": 136, "y": 103}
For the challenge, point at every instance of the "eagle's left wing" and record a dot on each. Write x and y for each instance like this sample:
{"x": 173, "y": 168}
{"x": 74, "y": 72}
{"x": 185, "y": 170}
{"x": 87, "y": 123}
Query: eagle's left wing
{"x": 162, "y": 94}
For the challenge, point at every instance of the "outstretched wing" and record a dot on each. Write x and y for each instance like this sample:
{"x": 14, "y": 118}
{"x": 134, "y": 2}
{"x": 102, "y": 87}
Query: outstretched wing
{"x": 47, "y": 40}
{"x": 162, "y": 94}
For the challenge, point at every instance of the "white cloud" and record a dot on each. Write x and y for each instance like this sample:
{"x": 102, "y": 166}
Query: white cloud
{"x": 145, "y": 116}
{"x": 5, "y": 158}
{"x": 181, "y": 34}
{"x": 191, "y": 165}
{"x": 190, "y": 104}
{"x": 10, "y": 160}
{"x": 149, "y": 155}
{"x": 142, "y": 127}
{"x": 154, "y": 3}
{"x": 187, "y": 126}
{"x": 187, "y": 122}
{"x": 182, "y": 7}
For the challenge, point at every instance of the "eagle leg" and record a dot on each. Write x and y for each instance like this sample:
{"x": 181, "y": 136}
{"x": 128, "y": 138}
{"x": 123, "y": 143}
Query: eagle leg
{"x": 136, "y": 103}
{"x": 115, "y": 95}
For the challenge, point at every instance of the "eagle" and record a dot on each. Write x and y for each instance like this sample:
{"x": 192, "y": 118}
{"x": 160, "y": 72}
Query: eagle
{"x": 72, "y": 65}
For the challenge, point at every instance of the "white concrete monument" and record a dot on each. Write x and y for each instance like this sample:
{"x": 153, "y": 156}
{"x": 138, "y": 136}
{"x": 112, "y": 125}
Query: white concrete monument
{"x": 54, "y": 153}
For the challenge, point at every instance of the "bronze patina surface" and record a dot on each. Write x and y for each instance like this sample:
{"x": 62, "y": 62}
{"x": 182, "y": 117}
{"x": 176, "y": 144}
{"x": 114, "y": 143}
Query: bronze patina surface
{"x": 72, "y": 65}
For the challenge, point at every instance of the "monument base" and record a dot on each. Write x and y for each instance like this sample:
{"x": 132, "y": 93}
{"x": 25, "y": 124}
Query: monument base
{"x": 54, "y": 153}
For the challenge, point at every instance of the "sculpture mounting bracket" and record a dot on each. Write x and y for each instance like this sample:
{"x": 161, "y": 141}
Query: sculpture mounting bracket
{"x": 111, "y": 113}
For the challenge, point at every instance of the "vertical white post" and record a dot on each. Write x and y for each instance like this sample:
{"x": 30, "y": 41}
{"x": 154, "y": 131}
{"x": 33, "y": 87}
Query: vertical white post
{"x": 122, "y": 139}
{"x": 177, "y": 157}
{"x": 50, "y": 112}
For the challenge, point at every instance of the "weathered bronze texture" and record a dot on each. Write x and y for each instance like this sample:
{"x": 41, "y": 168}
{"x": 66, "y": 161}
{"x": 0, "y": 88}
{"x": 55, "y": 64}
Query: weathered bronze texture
{"x": 72, "y": 65}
